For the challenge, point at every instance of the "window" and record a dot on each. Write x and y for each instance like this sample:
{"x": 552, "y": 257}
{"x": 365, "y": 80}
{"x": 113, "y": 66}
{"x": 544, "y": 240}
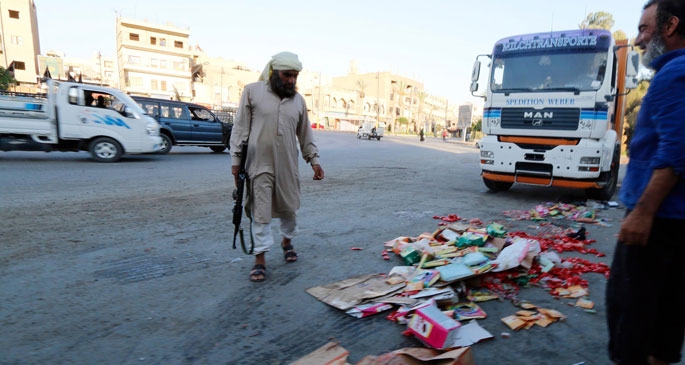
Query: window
{"x": 178, "y": 44}
{"x": 109, "y": 64}
{"x": 179, "y": 66}
{"x": 162, "y": 42}
{"x": 153, "y": 41}
{"x": 18, "y": 65}
{"x": 136, "y": 81}
{"x": 133, "y": 37}
{"x": 134, "y": 60}
{"x": 163, "y": 85}
{"x": 162, "y": 64}
{"x": 154, "y": 85}
{"x": 154, "y": 63}
{"x": 17, "y": 40}
{"x": 14, "y": 14}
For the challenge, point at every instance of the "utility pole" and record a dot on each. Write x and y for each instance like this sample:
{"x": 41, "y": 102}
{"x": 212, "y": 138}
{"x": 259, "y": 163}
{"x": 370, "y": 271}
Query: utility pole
{"x": 221, "y": 90}
{"x": 378, "y": 91}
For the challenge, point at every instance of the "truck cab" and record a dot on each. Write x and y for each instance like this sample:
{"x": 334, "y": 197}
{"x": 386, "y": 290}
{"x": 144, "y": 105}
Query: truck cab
{"x": 553, "y": 110}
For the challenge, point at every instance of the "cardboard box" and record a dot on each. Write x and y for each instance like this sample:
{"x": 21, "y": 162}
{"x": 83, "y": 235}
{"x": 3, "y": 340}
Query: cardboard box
{"x": 433, "y": 327}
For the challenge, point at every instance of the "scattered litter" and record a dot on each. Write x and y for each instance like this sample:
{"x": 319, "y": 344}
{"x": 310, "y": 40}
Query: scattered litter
{"x": 428, "y": 292}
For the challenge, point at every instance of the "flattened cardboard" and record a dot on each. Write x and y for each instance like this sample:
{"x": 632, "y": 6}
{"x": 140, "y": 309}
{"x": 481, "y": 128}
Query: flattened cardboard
{"x": 421, "y": 356}
{"x": 348, "y": 293}
{"x": 329, "y": 354}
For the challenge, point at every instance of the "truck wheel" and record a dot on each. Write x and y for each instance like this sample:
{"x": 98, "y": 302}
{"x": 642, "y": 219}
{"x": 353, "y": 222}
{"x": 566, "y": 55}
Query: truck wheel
{"x": 218, "y": 149}
{"x": 611, "y": 178}
{"x": 378, "y": 138}
{"x": 166, "y": 144}
{"x": 496, "y": 185}
{"x": 105, "y": 149}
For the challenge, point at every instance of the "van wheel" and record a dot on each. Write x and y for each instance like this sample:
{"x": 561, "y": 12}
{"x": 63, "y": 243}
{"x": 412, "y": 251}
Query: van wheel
{"x": 218, "y": 149}
{"x": 497, "y": 185}
{"x": 105, "y": 149}
{"x": 166, "y": 144}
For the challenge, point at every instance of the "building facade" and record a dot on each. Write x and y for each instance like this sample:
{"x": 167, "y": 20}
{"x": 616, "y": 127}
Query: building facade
{"x": 20, "y": 42}
{"x": 157, "y": 60}
{"x": 153, "y": 60}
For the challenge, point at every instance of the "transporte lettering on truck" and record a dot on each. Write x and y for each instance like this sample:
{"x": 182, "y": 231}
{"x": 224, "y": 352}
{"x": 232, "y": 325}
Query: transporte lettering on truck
{"x": 77, "y": 117}
{"x": 553, "y": 111}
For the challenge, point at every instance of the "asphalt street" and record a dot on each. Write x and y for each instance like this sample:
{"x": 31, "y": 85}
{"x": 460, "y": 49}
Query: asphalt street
{"x": 131, "y": 263}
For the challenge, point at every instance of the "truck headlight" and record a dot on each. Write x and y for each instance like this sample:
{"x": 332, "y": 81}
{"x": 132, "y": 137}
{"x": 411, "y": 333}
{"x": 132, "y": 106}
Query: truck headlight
{"x": 152, "y": 129}
{"x": 587, "y": 160}
{"x": 487, "y": 154}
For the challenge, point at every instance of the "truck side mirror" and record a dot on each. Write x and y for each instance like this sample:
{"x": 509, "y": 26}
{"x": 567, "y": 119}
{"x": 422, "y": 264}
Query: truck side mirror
{"x": 474, "y": 87}
{"x": 632, "y": 67}
{"x": 128, "y": 113}
{"x": 476, "y": 72}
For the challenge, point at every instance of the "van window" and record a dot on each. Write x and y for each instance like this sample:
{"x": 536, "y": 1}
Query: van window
{"x": 200, "y": 114}
{"x": 149, "y": 108}
{"x": 174, "y": 112}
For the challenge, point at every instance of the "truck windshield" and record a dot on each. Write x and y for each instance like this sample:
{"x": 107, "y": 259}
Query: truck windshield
{"x": 576, "y": 71}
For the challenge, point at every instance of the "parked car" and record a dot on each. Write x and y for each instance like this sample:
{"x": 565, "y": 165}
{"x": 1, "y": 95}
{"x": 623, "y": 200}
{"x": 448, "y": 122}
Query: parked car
{"x": 186, "y": 124}
{"x": 317, "y": 126}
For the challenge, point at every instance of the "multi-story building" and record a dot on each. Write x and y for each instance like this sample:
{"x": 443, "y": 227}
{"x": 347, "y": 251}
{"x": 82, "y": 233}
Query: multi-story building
{"x": 153, "y": 60}
{"x": 20, "y": 44}
{"x": 219, "y": 83}
{"x": 399, "y": 102}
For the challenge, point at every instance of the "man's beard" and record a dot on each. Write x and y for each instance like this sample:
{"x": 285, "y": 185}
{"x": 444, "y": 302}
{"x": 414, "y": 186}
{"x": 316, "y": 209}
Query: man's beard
{"x": 280, "y": 88}
{"x": 655, "y": 48}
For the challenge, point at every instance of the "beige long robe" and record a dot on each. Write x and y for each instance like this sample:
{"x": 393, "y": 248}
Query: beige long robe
{"x": 274, "y": 127}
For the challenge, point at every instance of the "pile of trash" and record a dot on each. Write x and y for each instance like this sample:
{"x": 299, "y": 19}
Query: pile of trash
{"x": 429, "y": 293}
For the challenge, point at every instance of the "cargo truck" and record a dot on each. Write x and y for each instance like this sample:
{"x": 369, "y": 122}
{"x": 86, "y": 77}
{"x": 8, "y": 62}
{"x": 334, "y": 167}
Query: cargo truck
{"x": 553, "y": 110}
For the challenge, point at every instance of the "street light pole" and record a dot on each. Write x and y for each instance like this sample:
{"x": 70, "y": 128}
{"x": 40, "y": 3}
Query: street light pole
{"x": 378, "y": 91}
{"x": 221, "y": 91}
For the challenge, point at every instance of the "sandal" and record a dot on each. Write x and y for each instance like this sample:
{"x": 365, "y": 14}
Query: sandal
{"x": 289, "y": 253}
{"x": 258, "y": 273}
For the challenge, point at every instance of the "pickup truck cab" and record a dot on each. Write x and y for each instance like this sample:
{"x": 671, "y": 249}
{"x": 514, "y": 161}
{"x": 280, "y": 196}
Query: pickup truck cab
{"x": 186, "y": 124}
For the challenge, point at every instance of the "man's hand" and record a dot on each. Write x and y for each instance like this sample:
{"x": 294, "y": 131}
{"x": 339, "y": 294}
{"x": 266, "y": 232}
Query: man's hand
{"x": 636, "y": 228}
{"x": 235, "y": 170}
{"x": 318, "y": 172}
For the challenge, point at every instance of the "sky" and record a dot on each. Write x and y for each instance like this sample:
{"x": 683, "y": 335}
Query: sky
{"x": 432, "y": 41}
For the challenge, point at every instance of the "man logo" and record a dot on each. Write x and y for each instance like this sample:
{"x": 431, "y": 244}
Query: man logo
{"x": 537, "y": 117}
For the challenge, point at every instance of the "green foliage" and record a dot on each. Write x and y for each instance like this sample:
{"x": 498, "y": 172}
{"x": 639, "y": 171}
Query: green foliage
{"x": 403, "y": 120}
{"x": 633, "y": 103}
{"x": 6, "y": 79}
{"x": 619, "y": 34}
{"x": 478, "y": 126}
{"x": 598, "y": 20}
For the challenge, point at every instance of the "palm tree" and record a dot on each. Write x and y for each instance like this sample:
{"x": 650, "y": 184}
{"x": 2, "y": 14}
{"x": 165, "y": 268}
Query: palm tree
{"x": 401, "y": 89}
{"x": 361, "y": 88}
{"x": 422, "y": 98}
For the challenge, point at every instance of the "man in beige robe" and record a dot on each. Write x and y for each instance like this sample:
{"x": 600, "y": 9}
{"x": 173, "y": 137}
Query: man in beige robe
{"x": 272, "y": 118}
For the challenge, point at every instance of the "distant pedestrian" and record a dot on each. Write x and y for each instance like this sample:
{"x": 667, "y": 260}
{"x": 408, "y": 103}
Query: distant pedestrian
{"x": 444, "y": 135}
{"x": 646, "y": 289}
{"x": 421, "y": 135}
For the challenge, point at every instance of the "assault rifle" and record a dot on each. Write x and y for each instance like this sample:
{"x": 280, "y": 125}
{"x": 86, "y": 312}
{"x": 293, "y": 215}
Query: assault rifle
{"x": 238, "y": 203}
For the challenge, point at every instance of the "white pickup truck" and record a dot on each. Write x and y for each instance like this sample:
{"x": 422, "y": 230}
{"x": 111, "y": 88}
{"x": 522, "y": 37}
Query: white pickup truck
{"x": 77, "y": 117}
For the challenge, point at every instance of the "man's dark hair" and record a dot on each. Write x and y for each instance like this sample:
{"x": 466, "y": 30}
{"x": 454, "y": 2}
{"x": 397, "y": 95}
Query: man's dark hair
{"x": 665, "y": 9}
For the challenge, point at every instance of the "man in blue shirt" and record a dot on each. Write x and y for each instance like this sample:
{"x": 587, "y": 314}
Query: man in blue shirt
{"x": 645, "y": 293}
